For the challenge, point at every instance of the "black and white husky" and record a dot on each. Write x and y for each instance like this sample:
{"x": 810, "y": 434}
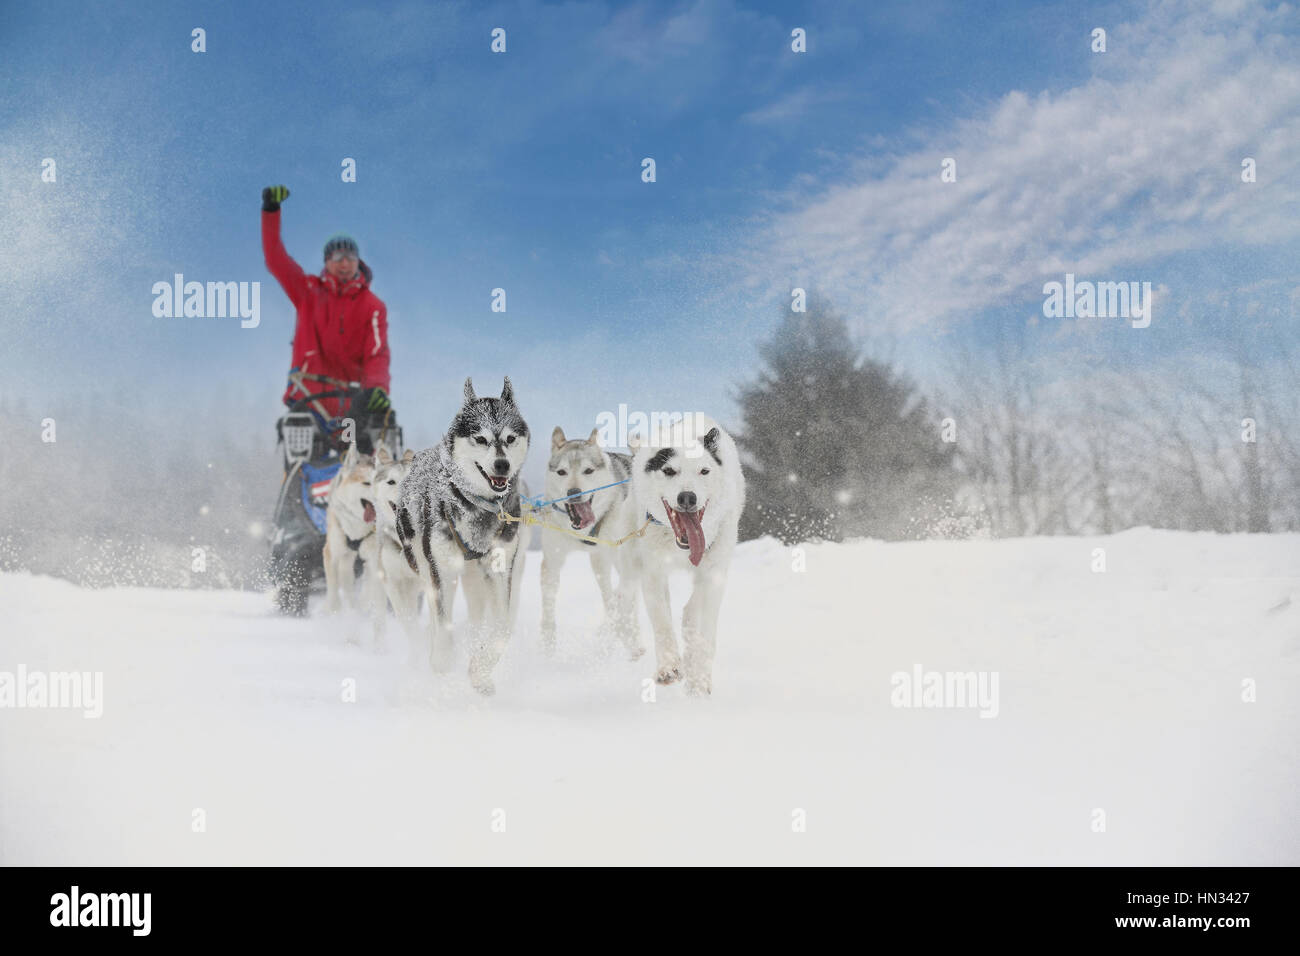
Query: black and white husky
{"x": 577, "y": 468}
{"x": 448, "y": 525}
{"x": 688, "y": 481}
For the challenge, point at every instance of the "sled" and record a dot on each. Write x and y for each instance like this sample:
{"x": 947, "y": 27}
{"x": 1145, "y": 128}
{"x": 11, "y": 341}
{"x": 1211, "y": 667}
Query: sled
{"x": 312, "y": 446}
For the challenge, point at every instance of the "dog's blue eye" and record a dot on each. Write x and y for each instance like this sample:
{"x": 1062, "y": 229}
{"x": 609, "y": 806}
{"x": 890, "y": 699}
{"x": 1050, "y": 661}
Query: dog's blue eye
{"x": 560, "y": 471}
{"x": 669, "y": 472}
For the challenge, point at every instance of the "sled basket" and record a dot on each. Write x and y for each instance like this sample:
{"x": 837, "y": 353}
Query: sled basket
{"x": 298, "y": 432}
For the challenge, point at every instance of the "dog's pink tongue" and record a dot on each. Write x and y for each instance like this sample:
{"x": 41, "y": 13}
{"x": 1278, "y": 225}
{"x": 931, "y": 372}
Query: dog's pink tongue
{"x": 694, "y": 534}
{"x": 583, "y": 511}
{"x": 369, "y": 514}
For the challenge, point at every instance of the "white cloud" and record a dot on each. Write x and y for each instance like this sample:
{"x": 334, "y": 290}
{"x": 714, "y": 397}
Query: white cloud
{"x": 789, "y": 106}
{"x": 1140, "y": 162}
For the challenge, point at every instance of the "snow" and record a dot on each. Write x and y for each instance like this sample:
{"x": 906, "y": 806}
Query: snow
{"x": 1119, "y": 691}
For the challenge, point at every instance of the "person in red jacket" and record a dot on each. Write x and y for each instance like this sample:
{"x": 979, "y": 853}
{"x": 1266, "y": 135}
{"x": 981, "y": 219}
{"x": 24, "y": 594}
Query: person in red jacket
{"x": 342, "y": 326}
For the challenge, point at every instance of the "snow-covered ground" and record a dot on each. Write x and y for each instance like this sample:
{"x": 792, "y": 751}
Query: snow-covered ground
{"x": 1119, "y": 691}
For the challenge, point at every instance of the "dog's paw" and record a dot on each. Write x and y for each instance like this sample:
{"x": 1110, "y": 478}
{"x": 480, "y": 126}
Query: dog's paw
{"x": 699, "y": 686}
{"x": 548, "y": 643}
{"x": 485, "y": 687}
{"x": 442, "y": 657}
{"x": 635, "y": 652}
{"x": 668, "y": 675}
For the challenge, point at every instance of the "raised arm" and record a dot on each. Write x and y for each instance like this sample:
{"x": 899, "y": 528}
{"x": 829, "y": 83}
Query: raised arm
{"x": 281, "y": 265}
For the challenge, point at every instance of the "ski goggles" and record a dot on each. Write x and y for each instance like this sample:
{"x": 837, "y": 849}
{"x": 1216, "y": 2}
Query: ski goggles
{"x": 338, "y": 255}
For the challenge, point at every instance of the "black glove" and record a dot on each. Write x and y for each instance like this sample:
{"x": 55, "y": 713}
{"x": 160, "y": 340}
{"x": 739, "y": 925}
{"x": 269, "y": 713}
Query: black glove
{"x": 367, "y": 402}
{"x": 272, "y": 196}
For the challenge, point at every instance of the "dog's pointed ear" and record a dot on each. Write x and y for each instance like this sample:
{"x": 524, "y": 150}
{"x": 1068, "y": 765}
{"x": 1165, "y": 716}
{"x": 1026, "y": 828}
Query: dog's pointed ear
{"x": 591, "y": 439}
{"x": 508, "y": 392}
{"x": 634, "y": 442}
{"x": 409, "y": 456}
{"x": 350, "y": 457}
{"x": 557, "y": 438}
{"x": 711, "y": 443}
{"x": 383, "y": 456}
{"x": 469, "y": 391}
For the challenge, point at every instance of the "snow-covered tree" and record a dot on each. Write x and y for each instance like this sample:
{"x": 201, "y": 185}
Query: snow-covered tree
{"x": 837, "y": 445}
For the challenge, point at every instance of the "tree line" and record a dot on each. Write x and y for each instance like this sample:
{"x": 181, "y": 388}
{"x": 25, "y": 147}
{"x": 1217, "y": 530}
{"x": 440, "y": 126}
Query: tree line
{"x": 1014, "y": 441}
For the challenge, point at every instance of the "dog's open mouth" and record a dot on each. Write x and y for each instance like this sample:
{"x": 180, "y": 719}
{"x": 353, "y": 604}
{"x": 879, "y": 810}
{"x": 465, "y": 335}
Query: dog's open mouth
{"x": 580, "y": 513}
{"x": 498, "y": 483}
{"x": 688, "y": 530}
{"x": 367, "y": 511}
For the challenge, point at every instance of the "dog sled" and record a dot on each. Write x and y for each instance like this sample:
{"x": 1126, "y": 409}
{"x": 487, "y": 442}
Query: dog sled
{"x": 312, "y": 444}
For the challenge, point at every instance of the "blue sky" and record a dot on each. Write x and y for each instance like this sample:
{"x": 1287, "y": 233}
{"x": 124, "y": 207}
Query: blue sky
{"x": 522, "y": 171}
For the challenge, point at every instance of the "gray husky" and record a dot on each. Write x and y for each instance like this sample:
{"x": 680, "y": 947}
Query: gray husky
{"x": 448, "y": 525}
{"x": 577, "y": 467}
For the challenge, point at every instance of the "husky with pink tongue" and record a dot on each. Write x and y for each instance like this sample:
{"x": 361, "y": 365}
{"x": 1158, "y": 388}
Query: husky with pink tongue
{"x": 349, "y": 522}
{"x": 687, "y": 481}
{"x": 578, "y": 477}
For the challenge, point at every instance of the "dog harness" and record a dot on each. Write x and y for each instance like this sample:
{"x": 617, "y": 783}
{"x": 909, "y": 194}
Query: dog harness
{"x": 595, "y": 529}
{"x": 494, "y": 506}
{"x": 355, "y": 543}
{"x": 469, "y": 553}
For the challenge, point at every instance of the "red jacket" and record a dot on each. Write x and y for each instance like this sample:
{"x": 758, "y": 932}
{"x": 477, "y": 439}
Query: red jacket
{"x": 341, "y": 332}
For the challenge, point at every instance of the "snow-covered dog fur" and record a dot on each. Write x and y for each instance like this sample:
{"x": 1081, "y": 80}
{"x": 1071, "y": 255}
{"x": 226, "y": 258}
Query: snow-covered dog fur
{"x": 348, "y": 522}
{"x": 448, "y": 526}
{"x": 689, "y": 480}
{"x": 577, "y": 466}
{"x": 393, "y": 579}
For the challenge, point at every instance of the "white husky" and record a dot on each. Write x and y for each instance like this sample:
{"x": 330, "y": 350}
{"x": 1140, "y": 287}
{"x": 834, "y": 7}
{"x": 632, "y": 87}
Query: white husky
{"x": 688, "y": 479}
{"x": 348, "y": 523}
{"x": 576, "y": 468}
{"x": 392, "y": 577}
